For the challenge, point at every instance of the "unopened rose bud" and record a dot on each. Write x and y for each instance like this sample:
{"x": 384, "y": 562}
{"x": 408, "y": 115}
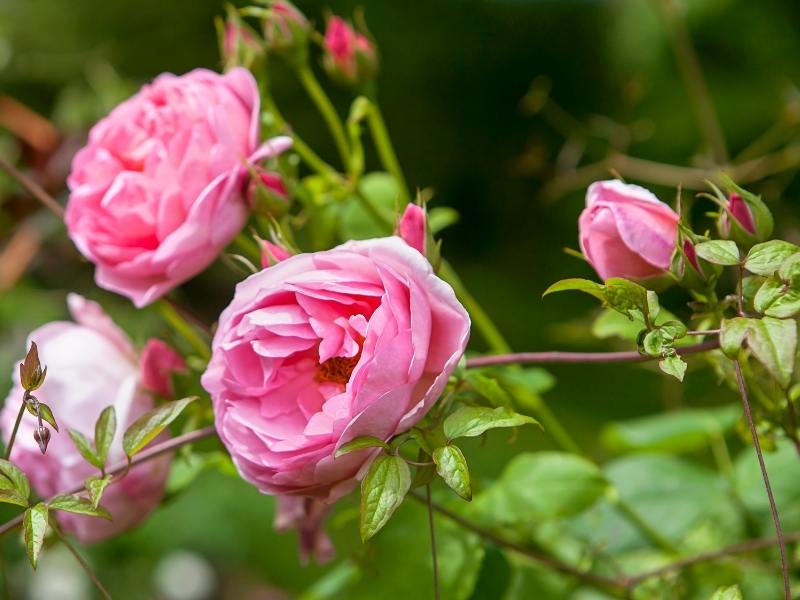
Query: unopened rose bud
{"x": 239, "y": 44}
{"x": 267, "y": 194}
{"x": 412, "y": 227}
{"x": 42, "y": 436}
{"x": 743, "y": 217}
{"x": 272, "y": 254}
{"x": 286, "y": 29}
{"x": 31, "y": 374}
{"x": 350, "y": 57}
{"x": 689, "y": 269}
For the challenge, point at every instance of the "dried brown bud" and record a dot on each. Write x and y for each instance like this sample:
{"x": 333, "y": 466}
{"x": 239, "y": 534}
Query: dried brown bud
{"x": 42, "y": 436}
{"x": 31, "y": 374}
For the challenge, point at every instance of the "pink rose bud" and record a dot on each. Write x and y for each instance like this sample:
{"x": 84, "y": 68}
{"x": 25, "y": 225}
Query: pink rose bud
{"x": 412, "y": 227}
{"x": 286, "y": 28}
{"x": 272, "y": 254}
{"x": 156, "y": 193}
{"x": 691, "y": 256}
{"x": 743, "y": 216}
{"x": 740, "y": 212}
{"x": 307, "y": 515}
{"x": 318, "y": 350}
{"x": 158, "y": 362}
{"x": 92, "y": 364}
{"x": 239, "y": 44}
{"x": 267, "y": 194}
{"x": 625, "y": 231}
{"x": 350, "y": 57}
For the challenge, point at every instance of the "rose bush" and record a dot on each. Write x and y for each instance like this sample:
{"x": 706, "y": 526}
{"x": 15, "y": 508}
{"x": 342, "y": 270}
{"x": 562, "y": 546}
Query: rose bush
{"x": 322, "y": 348}
{"x": 625, "y": 231}
{"x": 156, "y": 194}
{"x": 91, "y": 365}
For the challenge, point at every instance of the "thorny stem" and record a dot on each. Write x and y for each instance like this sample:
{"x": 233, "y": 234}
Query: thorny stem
{"x": 33, "y": 188}
{"x": 772, "y": 507}
{"x": 84, "y": 565}
{"x": 14, "y": 431}
{"x": 432, "y": 528}
{"x": 120, "y": 467}
{"x": 580, "y": 357}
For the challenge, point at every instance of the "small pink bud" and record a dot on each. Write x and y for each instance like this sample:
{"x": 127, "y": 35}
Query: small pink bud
{"x": 741, "y": 212}
{"x": 286, "y": 28}
{"x": 157, "y": 364}
{"x": 412, "y": 227}
{"x": 350, "y": 57}
{"x": 267, "y": 194}
{"x": 240, "y": 45}
{"x": 691, "y": 256}
{"x": 272, "y": 254}
{"x": 42, "y": 436}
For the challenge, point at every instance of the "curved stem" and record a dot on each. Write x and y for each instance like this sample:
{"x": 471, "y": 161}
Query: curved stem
{"x": 84, "y": 565}
{"x": 383, "y": 144}
{"x": 432, "y": 528}
{"x": 120, "y": 467}
{"x": 14, "y": 431}
{"x": 176, "y": 320}
{"x": 328, "y": 112}
{"x": 772, "y": 507}
{"x": 580, "y": 357}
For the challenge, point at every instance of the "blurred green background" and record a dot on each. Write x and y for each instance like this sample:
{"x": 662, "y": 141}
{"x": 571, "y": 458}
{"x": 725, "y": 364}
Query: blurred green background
{"x": 453, "y": 83}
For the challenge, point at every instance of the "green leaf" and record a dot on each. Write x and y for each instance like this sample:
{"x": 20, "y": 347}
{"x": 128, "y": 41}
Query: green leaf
{"x": 79, "y": 506}
{"x": 581, "y": 285}
{"x": 767, "y": 257}
{"x": 147, "y": 427}
{"x": 732, "y": 335}
{"x": 727, "y": 593}
{"x": 382, "y": 490}
{"x": 472, "y": 421}
{"x": 673, "y": 365}
{"x": 96, "y": 486}
{"x": 774, "y": 343}
{"x": 34, "y": 526}
{"x": 629, "y": 298}
{"x": 548, "y": 485}
{"x": 84, "y": 446}
{"x": 685, "y": 430}
{"x": 104, "y": 430}
{"x": 775, "y": 299}
{"x": 13, "y": 479}
{"x": 13, "y": 497}
{"x": 359, "y": 443}
{"x": 719, "y": 252}
{"x": 45, "y": 411}
{"x": 441, "y": 217}
{"x": 452, "y": 468}
{"x": 490, "y": 389}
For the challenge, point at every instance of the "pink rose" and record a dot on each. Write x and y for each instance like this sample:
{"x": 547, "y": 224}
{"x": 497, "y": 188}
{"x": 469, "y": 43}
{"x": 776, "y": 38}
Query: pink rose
{"x": 625, "y": 231}
{"x": 91, "y": 364}
{"x": 741, "y": 212}
{"x": 156, "y": 192}
{"x": 412, "y": 227}
{"x": 350, "y": 56}
{"x": 322, "y": 348}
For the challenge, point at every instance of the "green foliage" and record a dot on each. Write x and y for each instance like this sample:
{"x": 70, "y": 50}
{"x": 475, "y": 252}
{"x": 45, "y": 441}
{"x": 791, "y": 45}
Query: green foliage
{"x": 382, "y": 490}
{"x": 772, "y": 341}
{"x": 733, "y": 592}
{"x": 79, "y": 506}
{"x": 489, "y": 389}
{"x": 685, "y": 430}
{"x": 44, "y": 411}
{"x": 104, "y": 430}
{"x": 14, "y": 486}
{"x": 719, "y": 252}
{"x": 471, "y": 421}
{"x": 96, "y": 486}
{"x": 765, "y": 258}
{"x": 34, "y": 527}
{"x": 359, "y": 443}
{"x": 452, "y": 468}
{"x": 85, "y": 448}
{"x": 147, "y": 427}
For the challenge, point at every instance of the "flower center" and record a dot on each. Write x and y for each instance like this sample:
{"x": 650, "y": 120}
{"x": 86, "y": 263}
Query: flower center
{"x": 337, "y": 369}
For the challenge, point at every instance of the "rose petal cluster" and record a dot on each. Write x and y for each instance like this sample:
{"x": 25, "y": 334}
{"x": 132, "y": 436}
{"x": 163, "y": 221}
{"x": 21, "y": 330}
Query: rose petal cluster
{"x": 626, "y": 231}
{"x": 91, "y": 364}
{"x": 350, "y": 57}
{"x": 325, "y": 347}
{"x": 156, "y": 193}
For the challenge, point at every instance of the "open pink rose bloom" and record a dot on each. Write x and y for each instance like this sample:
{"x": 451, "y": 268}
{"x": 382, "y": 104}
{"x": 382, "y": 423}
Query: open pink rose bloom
{"x": 156, "y": 194}
{"x": 324, "y": 347}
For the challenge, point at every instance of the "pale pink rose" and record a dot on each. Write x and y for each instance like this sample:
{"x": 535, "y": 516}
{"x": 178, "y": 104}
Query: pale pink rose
{"x": 412, "y": 227}
{"x": 322, "y": 348}
{"x": 156, "y": 193}
{"x": 91, "y": 364}
{"x": 625, "y": 231}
